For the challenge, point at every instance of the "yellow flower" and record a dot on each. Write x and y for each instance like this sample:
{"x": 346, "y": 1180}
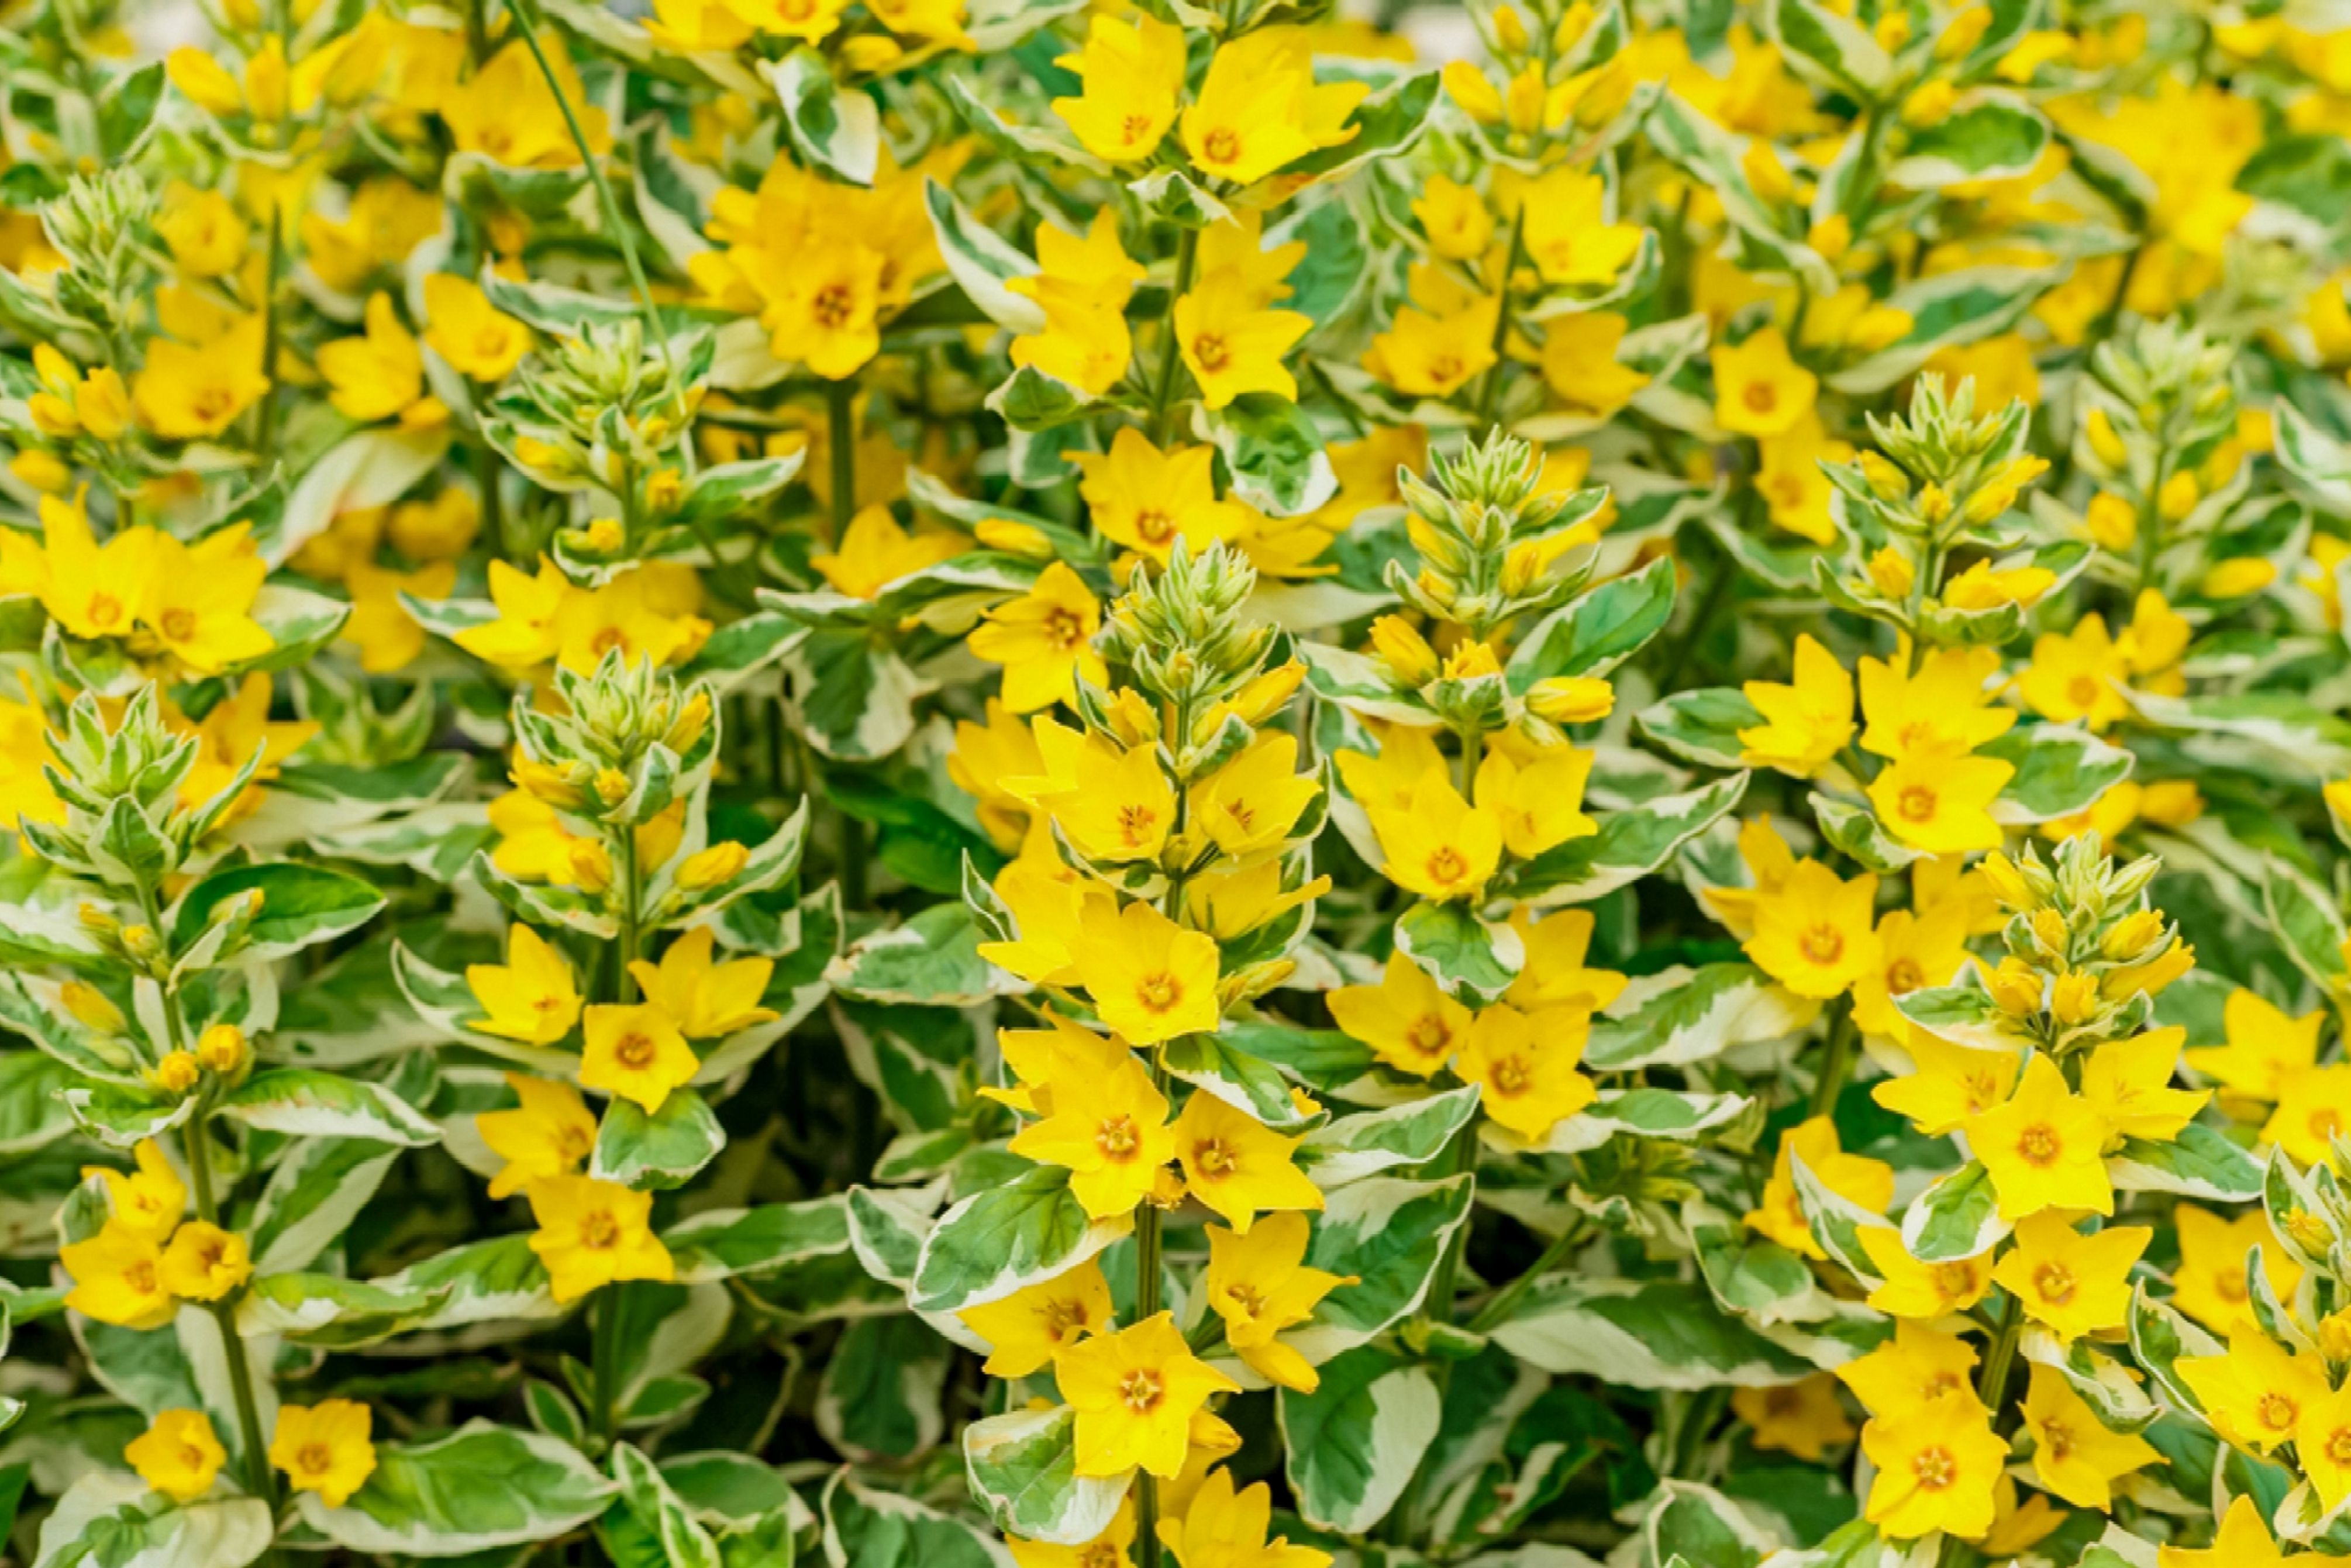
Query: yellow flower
{"x": 1259, "y": 1284}
{"x": 508, "y": 114}
{"x": 1225, "y": 1529}
{"x": 1540, "y": 804}
{"x": 2264, "y": 1049}
{"x": 636, "y": 1053}
{"x": 200, "y": 598}
{"x": 118, "y": 1277}
{"x": 2243, "y": 1541}
{"x": 823, "y": 309}
{"x": 1813, "y": 934}
{"x": 532, "y": 996}
{"x": 1145, "y": 500}
{"x": 2042, "y": 1146}
{"x": 1065, "y": 1052}
{"x": 194, "y": 392}
{"x": 2208, "y": 1284}
{"x": 2078, "y": 675}
{"x": 2069, "y": 1283}
{"x": 1407, "y": 1020}
{"x": 1568, "y": 235}
{"x": 1236, "y": 1164}
{"x": 1941, "y": 707}
{"x": 1438, "y": 349}
{"x": 205, "y": 1262}
{"x": 1789, "y": 480}
{"x": 1981, "y": 587}
{"x": 2314, "y": 1110}
{"x": 388, "y": 637}
{"x": 1941, "y": 803}
{"x": 1937, "y": 1463}
{"x": 1048, "y": 904}
{"x": 1928, "y": 1291}
{"x": 2127, "y": 1080}
{"x": 89, "y": 590}
{"x": 465, "y": 329}
{"x": 382, "y": 374}
{"x": 1082, "y": 285}
{"x": 1855, "y": 1177}
{"x": 1806, "y": 722}
{"x": 1113, "y": 806}
{"x": 1805, "y": 1418}
{"x": 1915, "y": 951}
{"x": 148, "y": 1202}
{"x": 876, "y": 552}
{"x": 1130, "y": 73}
{"x": 1248, "y": 806}
{"x": 325, "y": 1448}
{"x": 808, "y": 21}
{"x": 2322, "y": 1441}
{"x": 206, "y": 235}
{"x": 1759, "y": 389}
{"x": 1455, "y": 220}
{"x": 592, "y": 1233}
{"x": 1440, "y": 846}
{"x": 1259, "y": 108}
{"x": 2256, "y": 1392}
{"x": 645, "y": 613}
{"x": 1135, "y": 1392}
{"x": 1108, "y": 1129}
{"x": 549, "y": 1135}
{"x": 178, "y": 1454}
{"x": 522, "y": 634}
{"x": 1949, "y": 1084}
{"x": 1111, "y": 1549}
{"x": 1150, "y": 980}
{"x": 1231, "y": 347}
{"x": 1920, "y": 1366}
{"x": 2074, "y": 1454}
{"x": 697, "y": 27}
{"x": 1526, "y": 1063}
{"x": 1579, "y": 363}
{"x": 705, "y": 1000}
{"x": 1554, "y": 974}
{"x": 1027, "y": 1327}
{"x": 1044, "y": 639}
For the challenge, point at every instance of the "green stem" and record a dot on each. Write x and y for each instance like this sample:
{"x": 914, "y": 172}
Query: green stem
{"x": 841, "y": 451}
{"x": 633, "y": 898}
{"x": 611, "y": 206}
{"x": 265, "y": 429}
{"x": 606, "y": 1361}
{"x": 1146, "y": 1306}
{"x": 1162, "y": 386}
{"x": 604, "y": 1357}
{"x": 494, "y": 505}
{"x": 1498, "y": 1306}
{"x": 1489, "y": 394}
{"x": 1835, "y": 1067}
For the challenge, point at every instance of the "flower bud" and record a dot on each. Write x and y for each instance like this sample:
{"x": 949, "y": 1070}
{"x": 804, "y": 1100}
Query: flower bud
{"x": 1410, "y": 660}
{"x": 722, "y": 861}
{"x": 592, "y": 866}
{"x": 2074, "y": 998}
{"x": 2106, "y": 442}
{"x": 222, "y": 1048}
{"x": 1891, "y": 572}
{"x": 177, "y": 1072}
{"x": 1573, "y": 699}
{"x": 611, "y": 786}
{"x": 2177, "y": 497}
{"x": 2015, "y": 988}
{"x": 557, "y": 785}
{"x": 92, "y": 1008}
{"x": 2111, "y": 521}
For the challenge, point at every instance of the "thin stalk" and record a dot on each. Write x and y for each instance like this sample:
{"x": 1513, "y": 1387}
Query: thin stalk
{"x": 1489, "y": 393}
{"x": 611, "y": 206}
{"x": 265, "y": 427}
{"x": 841, "y": 451}
{"x": 1835, "y": 1067}
{"x": 1146, "y": 1306}
{"x": 1162, "y": 386}
{"x": 1498, "y": 1306}
{"x": 606, "y": 1361}
{"x": 604, "y": 1357}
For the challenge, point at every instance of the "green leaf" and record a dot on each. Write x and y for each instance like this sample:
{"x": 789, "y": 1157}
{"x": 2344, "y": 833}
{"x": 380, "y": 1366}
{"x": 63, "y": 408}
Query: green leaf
{"x": 1703, "y": 726}
{"x": 304, "y": 1102}
{"x": 1658, "y": 1333}
{"x": 1472, "y": 958}
{"x": 2159, "y": 1339}
{"x": 1957, "y": 1217}
{"x": 483, "y": 1486}
{"x": 724, "y": 1244}
{"x": 1630, "y": 844}
{"x": 933, "y": 960}
{"x": 329, "y": 1312}
{"x": 313, "y": 1195}
{"x": 1274, "y": 453}
{"x": 1350, "y": 1448}
{"x": 300, "y": 904}
{"x": 2305, "y": 920}
{"x": 866, "y": 1528}
{"x": 1679, "y": 1016}
{"x": 1249, "y": 1083}
{"x": 1023, "y": 1469}
{"x": 1597, "y": 631}
{"x": 833, "y": 127}
{"x": 1749, "y": 1274}
{"x": 2058, "y": 772}
{"x": 1827, "y": 48}
{"x": 1388, "y": 1232}
{"x": 880, "y": 1394}
{"x": 684, "y": 1542}
{"x": 1992, "y": 138}
{"x": 33, "y": 1112}
{"x": 981, "y": 262}
{"x": 2199, "y": 1163}
{"x": 1010, "y": 1237}
{"x": 108, "y": 1519}
{"x": 1353, "y": 1148}
{"x": 658, "y": 1151}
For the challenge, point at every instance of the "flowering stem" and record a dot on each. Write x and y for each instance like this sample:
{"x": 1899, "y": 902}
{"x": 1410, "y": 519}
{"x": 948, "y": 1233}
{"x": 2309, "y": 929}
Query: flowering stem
{"x": 1836, "y": 1065}
{"x": 196, "y": 1143}
{"x": 1489, "y": 393}
{"x": 633, "y": 898}
{"x": 1146, "y": 1305}
{"x": 841, "y": 451}
{"x": 604, "y": 1356}
{"x": 1163, "y": 388}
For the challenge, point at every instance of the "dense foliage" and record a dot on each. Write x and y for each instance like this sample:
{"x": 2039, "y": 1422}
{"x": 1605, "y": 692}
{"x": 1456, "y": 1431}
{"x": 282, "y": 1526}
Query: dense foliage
{"x": 924, "y": 783}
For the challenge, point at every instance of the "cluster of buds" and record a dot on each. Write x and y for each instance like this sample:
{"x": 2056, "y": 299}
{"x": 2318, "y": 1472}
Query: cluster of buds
{"x": 1561, "y": 75}
{"x": 273, "y": 101}
{"x": 1490, "y": 540}
{"x": 104, "y": 227}
{"x": 120, "y": 784}
{"x": 629, "y": 741}
{"x": 221, "y": 1054}
{"x": 2087, "y": 953}
{"x": 2158, "y": 429}
{"x": 1181, "y": 639}
{"x": 607, "y": 411}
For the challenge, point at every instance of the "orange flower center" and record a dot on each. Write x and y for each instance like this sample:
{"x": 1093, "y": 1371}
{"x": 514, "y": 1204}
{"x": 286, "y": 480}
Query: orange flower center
{"x": 179, "y": 624}
{"x": 1134, "y": 824}
{"x": 1063, "y": 1319}
{"x": 599, "y": 1231}
{"x": 2084, "y": 691}
{"x": 833, "y": 307}
{"x": 1116, "y": 1137}
{"x": 1428, "y": 1035}
{"x": 1223, "y": 144}
{"x": 2040, "y": 1145}
{"x": 1761, "y": 397}
{"x": 1213, "y": 1160}
{"x": 1064, "y": 629}
{"x": 2277, "y": 1411}
{"x": 2230, "y": 1286}
{"x": 2338, "y": 1444}
{"x": 1209, "y": 349}
{"x": 1133, "y": 129}
{"x": 1246, "y": 1298}
{"x": 2325, "y": 1124}
{"x": 1141, "y": 1390}
{"x": 1447, "y": 866}
{"x": 140, "y": 1277}
{"x": 634, "y": 1052}
{"x": 2056, "y": 1283}
{"x": 1905, "y": 976}
{"x": 1917, "y": 804}
{"x": 1153, "y": 526}
{"x": 1935, "y": 1468}
{"x": 105, "y": 610}
{"x": 1953, "y": 1280}
{"x": 1822, "y": 945}
{"x": 314, "y": 1458}
{"x": 1510, "y": 1077}
{"x": 1159, "y": 993}
{"x": 2056, "y": 1439}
